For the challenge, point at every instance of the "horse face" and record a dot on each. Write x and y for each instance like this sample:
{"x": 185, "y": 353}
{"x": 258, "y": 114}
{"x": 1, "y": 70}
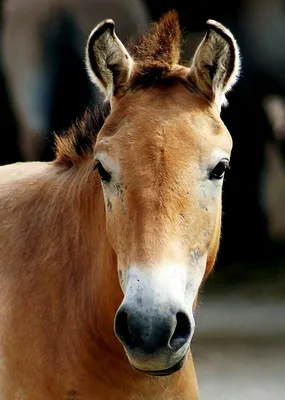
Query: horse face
{"x": 162, "y": 172}
{"x": 161, "y": 156}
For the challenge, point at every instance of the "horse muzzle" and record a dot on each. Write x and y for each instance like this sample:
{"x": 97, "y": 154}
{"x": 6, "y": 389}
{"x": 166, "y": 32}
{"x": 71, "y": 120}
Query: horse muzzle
{"x": 156, "y": 342}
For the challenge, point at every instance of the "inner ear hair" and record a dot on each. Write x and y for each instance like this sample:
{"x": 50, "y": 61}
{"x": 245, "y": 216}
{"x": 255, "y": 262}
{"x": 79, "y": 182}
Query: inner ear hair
{"x": 108, "y": 63}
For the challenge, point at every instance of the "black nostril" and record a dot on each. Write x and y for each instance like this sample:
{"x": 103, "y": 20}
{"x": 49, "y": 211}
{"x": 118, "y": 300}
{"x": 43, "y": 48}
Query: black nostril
{"x": 182, "y": 331}
{"x": 122, "y": 328}
{"x": 150, "y": 335}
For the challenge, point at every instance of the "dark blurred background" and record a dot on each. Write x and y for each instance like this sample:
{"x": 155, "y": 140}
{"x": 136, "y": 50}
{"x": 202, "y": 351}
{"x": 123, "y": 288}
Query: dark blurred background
{"x": 44, "y": 88}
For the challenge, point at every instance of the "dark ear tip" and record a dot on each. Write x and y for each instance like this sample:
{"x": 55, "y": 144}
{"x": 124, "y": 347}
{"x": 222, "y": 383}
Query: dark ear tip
{"x": 220, "y": 29}
{"x": 211, "y": 24}
{"x": 107, "y": 24}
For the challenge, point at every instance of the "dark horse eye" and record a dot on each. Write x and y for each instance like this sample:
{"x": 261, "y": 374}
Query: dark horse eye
{"x": 219, "y": 171}
{"x": 104, "y": 175}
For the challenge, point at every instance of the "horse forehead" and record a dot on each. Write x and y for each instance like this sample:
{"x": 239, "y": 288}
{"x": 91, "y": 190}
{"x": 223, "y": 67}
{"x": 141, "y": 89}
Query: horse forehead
{"x": 162, "y": 113}
{"x": 174, "y": 142}
{"x": 160, "y": 104}
{"x": 174, "y": 124}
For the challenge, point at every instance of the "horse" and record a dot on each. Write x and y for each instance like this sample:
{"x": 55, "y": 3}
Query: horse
{"x": 104, "y": 249}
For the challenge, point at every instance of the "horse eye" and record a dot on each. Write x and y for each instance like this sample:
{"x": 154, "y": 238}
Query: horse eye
{"x": 219, "y": 171}
{"x": 104, "y": 175}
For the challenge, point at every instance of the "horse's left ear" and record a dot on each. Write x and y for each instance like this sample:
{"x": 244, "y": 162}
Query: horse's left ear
{"x": 216, "y": 63}
{"x": 108, "y": 63}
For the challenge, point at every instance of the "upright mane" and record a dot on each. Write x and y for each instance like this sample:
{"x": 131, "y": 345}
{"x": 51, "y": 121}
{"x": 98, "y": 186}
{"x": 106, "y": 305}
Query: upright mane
{"x": 155, "y": 54}
{"x": 76, "y": 143}
{"x": 157, "y": 51}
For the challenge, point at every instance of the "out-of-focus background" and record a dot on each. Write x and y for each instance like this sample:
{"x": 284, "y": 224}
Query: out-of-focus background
{"x": 239, "y": 347}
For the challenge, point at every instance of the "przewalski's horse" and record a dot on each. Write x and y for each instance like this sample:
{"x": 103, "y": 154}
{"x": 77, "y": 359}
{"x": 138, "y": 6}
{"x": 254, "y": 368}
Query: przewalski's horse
{"x": 103, "y": 250}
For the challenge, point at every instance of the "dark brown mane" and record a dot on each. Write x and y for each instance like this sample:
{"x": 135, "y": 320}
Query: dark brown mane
{"x": 77, "y": 142}
{"x": 161, "y": 45}
{"x": 156, "y": 52}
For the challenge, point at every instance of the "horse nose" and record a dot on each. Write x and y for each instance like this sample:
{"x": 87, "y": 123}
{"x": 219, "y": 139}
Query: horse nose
{"x": 151, "y": 333}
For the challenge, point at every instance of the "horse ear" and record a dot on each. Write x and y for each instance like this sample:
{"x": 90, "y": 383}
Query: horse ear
{"x": 216, "y": 63}
{"x": 108, "y": 63}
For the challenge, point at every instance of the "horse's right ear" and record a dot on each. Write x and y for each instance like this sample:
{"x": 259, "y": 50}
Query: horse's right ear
{"x": 108, "y": 63}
